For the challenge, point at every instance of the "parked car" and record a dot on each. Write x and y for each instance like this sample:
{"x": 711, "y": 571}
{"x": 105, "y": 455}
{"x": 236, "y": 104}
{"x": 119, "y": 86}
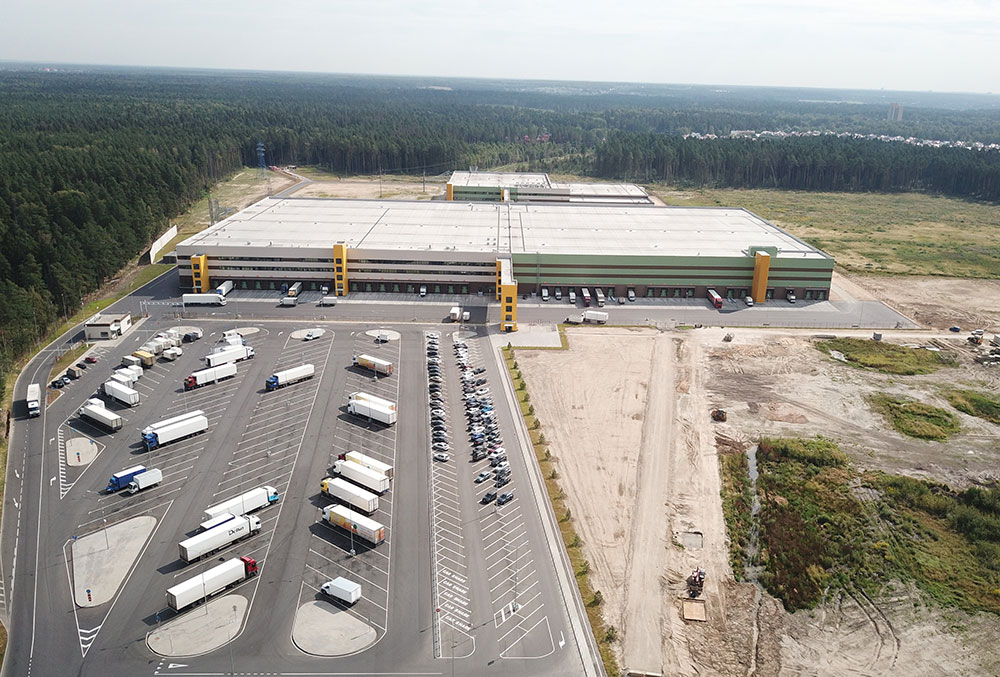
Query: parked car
{"x": 505, "y": 497}
{"x": 441, "y": 456}
{"x": 482, "y": 477}
{"x": 440, "y": 446}
{"x": 91, "y": 359}
{"x": 488, "y": 497}
{"x": 81, "y": 365}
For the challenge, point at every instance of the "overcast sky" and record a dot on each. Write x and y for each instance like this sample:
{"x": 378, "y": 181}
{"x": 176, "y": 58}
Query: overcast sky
{"x": 947, "y": 45}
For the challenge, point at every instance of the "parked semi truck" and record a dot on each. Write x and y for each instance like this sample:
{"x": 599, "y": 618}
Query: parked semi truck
{"x": 455, "y": 314}
{"x": 206, "y": 542}
{"x": 100, "y": 415}
{"x": 245, "y": 503}
{"x": 224, "y": 288}
{"x": 280, "y": 379}
{"x": 174, "y": 432}
{"x": 344, "y": 491}
{"x": 216, "y": 579}
{"x": 597, "y": 316}
{"x": 388, "y": 404}
{"x": 33, "y": 400}
{"x": 131, "y": 361}
{"x": 122, "y": 393}
{"x": 369, "y": 462}
{"x": 295, "y": 289}
{"x": 349, "y": 520}
{"x": 172, "y": 353}
{"x": 379, "y": 366}
{"x": 145, "y": 480}
{"x": 170, "y": 421}
{"x": 126, "y": 378}
{"x": 203, "y": 300}
{"x": 230, "y": 354}
{"x": 121, "y": 479}
{"x": 374, "y": 411}
{"x": 210, "y": 375}
{"x": 146, "y": 359}
{"x": 714, "y": 298}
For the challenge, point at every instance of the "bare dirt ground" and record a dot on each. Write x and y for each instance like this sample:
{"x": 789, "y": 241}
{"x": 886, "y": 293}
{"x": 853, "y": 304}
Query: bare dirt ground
{"x": 637, "y": 459}
{"x": 360, "y": 187}
{"x": 939, "y": 302}
{"x": 641, "y": 476}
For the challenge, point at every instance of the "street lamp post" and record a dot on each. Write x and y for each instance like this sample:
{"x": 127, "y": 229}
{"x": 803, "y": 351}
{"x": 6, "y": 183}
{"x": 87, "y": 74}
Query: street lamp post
{"x": 104, "y": 518}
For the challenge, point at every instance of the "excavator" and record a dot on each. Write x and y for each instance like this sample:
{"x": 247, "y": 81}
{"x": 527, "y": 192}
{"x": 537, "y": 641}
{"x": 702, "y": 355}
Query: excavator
{"x": 696, "y": 582}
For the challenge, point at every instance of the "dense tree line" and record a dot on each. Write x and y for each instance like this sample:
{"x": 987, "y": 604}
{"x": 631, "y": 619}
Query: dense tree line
{"x": 96, "y": 162}
{"x": 823, "y": 163}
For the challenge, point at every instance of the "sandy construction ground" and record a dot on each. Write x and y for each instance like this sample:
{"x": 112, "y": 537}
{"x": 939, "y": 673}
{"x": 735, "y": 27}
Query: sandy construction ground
{"x": 362, "y": 187}
{"x": 939, "y": 302}
{"x": 626, "y": 414}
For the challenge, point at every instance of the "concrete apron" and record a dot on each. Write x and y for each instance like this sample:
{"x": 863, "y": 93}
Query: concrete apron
{"x": 322, "y": 629}
{"x": 101, "y": 560}
{"x": 81, "y": 451}
{"x": 203, "y": 629}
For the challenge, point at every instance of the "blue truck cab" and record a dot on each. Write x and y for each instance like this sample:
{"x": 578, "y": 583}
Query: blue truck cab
{"x": 151, "y": 441}
{"x": 121, "y": 479}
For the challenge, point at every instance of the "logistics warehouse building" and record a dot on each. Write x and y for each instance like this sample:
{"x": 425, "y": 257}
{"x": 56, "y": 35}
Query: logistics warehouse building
{"x": 463, "y": 248}
{"x": 531, "y": 187}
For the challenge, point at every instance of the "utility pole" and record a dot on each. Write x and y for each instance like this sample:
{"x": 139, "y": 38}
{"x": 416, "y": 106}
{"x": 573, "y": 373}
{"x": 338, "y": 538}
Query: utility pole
{"x": 423, "y": 183}
{"x": 380, "y": 183}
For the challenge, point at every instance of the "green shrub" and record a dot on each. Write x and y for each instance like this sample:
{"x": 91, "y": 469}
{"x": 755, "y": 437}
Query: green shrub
{"x": 888, "y": 358}
{"x": 915, "y": 419}
{"x": 974, "y": 404}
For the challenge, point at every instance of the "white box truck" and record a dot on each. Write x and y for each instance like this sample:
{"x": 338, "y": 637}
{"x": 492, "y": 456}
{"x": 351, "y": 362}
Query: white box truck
{"x": 203, "y": 300}
{"x": 230, "y": 354}
{"x": 135, "y": 370}
{"x": 340, "y": 588}
{"x": 121, "y": 393}
{"x": 369, "y": 479}
{"x": 131, "y": 361}
{"x": 598, "y": 316}
{"x": 102, "y": 416}
{"x": 370, "y": 463}
{"x": 280, "y": 379}
{"x": 356, "y": 497}
{"x": 144, "y": 480}
{"x": 224, "y": 288}
{"x": 379, "y": 366}
{"x": 455, "y": 314}
{"x": 214, "y": 580}
{"x": 371, "y": 410}
{"x": 349, "y": 520}
{"x": 289, "y": 301}
{"x": 172, "y": 353}
{"x": 174, "y": 432}
{"x": 210, "y": 375}
{"x": 245, "y": 503}
{"x": 33, "y": 400}
{"x": 206, "y": 542}
{"x": 124, "y": 377}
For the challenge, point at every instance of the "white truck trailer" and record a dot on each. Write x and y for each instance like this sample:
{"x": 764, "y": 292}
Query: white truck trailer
{"x": 224, "y": 288}
{"x": 245, "y": 503}
{"x": 280, "y": 379}
{"x": 359, "y": 474}
{"x": 122, "y": 393}
{"x": 230, "y": 354}
{"x": 102, "y": 416}
{"x": 203, "y": 300}
{"x": 123, "y": 376}
{"x": 349, "y": 520}
{"x": 379, "y": 366}
{"x": 371, "y": 410}
{"x": 131, "y": 361}
{"x": 388, "y": 404}
{"x": 214, "y": 580}
{"x": 206, "y": 542}
{"x": 174, "y": 432}
{"x": 455, "y": 314}
{"x": 598, "y": 316}
{"x": 135, "y": 370}
{"x": 210, "y": 375}
{"x": 345, "y": 492}
{"x": 370, "y": 463}
{"x": 170, "y": 421}
{"x": 33, "y": 400}
{"x": 144, "y": 480}
{"x": 172, "y": 353}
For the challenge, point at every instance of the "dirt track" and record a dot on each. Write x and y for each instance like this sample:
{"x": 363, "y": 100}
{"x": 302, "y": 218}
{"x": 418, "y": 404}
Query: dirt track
{"x": 626, "y": 415}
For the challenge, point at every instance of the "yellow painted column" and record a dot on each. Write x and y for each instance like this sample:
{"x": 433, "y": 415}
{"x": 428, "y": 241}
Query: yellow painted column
{"x": 199, "y": 272}
{"x": 761, "y": 268}
{"x": 340, "y": 269}
{"x": 449, "y": 192}
{"x": 499, "y": 279}
{"x": 508, "y": 307}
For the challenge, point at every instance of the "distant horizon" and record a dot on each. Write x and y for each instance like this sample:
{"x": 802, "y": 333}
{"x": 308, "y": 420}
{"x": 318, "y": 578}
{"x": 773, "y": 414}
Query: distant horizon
{"x": 35, "y": 65}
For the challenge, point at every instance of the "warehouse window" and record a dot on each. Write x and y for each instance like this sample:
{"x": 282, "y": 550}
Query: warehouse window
{"x": 510, "y": 299}
{"x": 437, "y": 289}
{"x": 381, "y": 286}
{"x": 465, "y": 289}
{"x": 509, "y": 309}
{"x": 409, "y": 289}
